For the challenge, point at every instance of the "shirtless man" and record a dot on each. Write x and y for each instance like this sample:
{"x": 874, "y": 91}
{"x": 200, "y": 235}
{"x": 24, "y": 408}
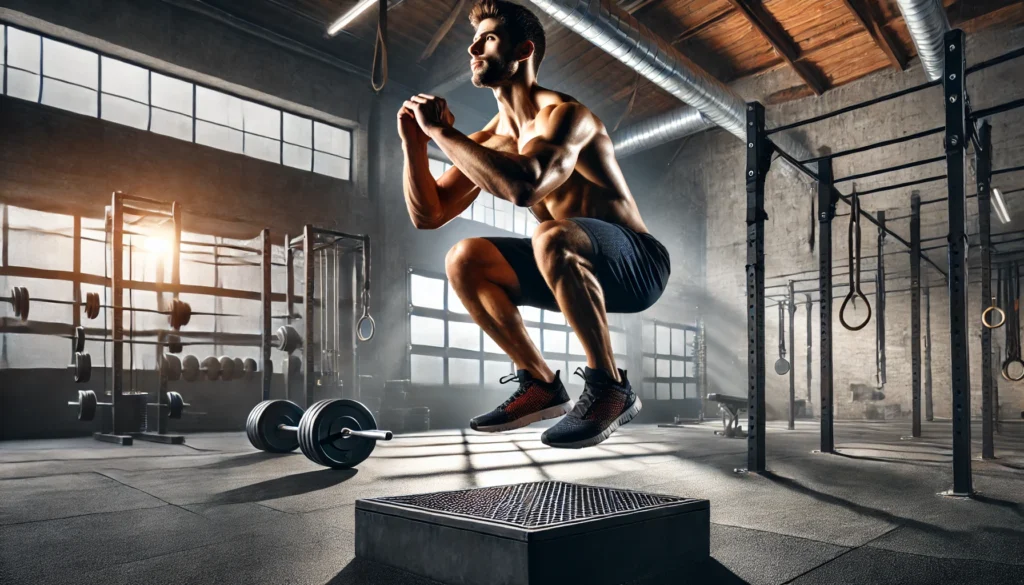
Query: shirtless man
{"x": 590, "y": 254}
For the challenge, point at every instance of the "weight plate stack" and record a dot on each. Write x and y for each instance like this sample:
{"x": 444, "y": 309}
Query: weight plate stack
{"x": 86, "y": 405}
{"x": 83, "y": 367}
{"x": 327, "y": 418}
{"x": 261, "y": 426}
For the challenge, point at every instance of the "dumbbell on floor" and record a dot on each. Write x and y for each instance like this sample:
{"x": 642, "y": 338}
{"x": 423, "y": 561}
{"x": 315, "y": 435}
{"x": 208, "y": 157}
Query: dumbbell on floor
{"x": 334, "y": 433}
{"x": 87, "y": 405}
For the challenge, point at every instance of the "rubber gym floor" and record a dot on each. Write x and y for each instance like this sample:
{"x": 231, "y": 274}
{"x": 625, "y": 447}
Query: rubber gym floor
{"x": 216, "y": 511}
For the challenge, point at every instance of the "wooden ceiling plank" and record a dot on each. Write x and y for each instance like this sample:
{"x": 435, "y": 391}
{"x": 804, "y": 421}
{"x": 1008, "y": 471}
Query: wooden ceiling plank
{"x": 780, "y": 41}
{"x": 446, "y": 26}
{"x": 863, "y": 14}
{"x": 703, "y": 25}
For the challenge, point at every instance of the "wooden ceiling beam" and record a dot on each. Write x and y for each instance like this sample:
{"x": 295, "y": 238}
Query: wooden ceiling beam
{"x": 446, "y": 26}
{"x": 863, "y": 14}
{"x": 780, "y": 41}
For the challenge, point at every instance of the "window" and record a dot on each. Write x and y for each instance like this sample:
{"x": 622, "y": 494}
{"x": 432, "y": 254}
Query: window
{"x": 448, "y": 348}
{"x": 669, "y": 365}
{"x": 492, "y": 210}
{"x": 50, "y": 72}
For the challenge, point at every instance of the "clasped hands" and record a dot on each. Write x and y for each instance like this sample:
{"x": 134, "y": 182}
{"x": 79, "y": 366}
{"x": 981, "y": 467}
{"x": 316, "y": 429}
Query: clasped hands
{"x": 421, "y": 116}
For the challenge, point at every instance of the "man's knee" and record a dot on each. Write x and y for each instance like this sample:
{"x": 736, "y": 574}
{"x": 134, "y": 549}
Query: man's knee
{"x": 466, "y": 258}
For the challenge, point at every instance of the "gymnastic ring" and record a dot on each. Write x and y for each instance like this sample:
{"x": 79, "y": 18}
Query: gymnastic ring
{"x": 842, "y": 311}
{"x": 984, "y": 315}
{"x": 1006, "y": 367}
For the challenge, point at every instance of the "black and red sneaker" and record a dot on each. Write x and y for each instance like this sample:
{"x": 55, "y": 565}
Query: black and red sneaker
{"x": 603, "y": 407}
{"x": 535, "y": 400}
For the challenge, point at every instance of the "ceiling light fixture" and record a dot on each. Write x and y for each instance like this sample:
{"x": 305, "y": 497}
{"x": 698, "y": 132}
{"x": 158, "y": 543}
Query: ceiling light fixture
{"x": 349, "y": 16}
{"x": 1000, "y": 206}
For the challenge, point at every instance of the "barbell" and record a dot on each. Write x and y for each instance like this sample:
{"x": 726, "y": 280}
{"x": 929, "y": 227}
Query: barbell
{"x": 87, "y": 405}
{"x": 335, "y": 433}
{"x": 179, "y": 315}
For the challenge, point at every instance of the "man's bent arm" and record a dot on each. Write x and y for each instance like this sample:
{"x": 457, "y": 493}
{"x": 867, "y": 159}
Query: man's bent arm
{"x": 431, "y": 203}
{"x": 546, "y": 162}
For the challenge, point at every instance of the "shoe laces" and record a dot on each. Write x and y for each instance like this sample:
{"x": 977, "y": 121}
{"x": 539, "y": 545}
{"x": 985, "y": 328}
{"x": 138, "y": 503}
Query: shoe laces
{"x": 588, "y": 397}
{"x": 522, "y": 388}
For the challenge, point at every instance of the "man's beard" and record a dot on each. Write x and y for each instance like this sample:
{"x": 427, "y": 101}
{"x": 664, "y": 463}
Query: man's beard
{"x": 494, "y": 72}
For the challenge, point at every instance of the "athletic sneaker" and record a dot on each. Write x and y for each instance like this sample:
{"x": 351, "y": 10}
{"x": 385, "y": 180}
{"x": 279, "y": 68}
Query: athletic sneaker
{"x": 534, "y": 400}
{"x": 603, "y": 407}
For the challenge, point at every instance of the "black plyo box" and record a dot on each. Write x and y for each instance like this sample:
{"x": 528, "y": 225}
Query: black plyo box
{"x": 535, "y": 534}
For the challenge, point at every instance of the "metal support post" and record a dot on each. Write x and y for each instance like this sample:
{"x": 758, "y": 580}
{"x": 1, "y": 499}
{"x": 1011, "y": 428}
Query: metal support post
{"x": 983, "y": 160}
{"x": 792, "y": 358}
{"x": 826, "y": 211}
{"x": 915, "y": 314}
{"x": 759, "y": 153}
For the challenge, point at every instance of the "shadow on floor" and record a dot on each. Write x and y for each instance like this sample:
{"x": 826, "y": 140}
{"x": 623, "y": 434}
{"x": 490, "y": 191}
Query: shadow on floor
{"x": 245, "y": 460}
{"x": 363, "y": 572}
{"x": 282, "y": 487}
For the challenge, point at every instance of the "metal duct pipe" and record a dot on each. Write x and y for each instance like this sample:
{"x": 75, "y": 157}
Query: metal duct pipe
{"x": 618, "y": 33}
{"x": 615, "y": 31}
{"x": 927, "y": 22}
{"x": 659, "y": 129}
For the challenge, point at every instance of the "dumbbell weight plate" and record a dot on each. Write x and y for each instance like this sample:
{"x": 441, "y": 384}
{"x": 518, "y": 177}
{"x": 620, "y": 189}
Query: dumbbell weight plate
{"x": 288, "y": 338}
{"x": 239, "y": 368}
{"x": 261, "y": 426}
{"x": 227, "y": 368}
{"x": 79, "y": 339}
{"x": 174, "y": 344}
{"x": 175, "y": 405}
{"x": 249, "y": 367}
{"x": 24, "y": 304}
{"x": 86, "y": 405}
{"x": 83, "y": 367}
{"x": 212, "y": 366}
{"x": 328, "y": 417}
{"x": 16, "y": 300}
{"x": 190, "y": 368}
{"x": 171, "y": 367}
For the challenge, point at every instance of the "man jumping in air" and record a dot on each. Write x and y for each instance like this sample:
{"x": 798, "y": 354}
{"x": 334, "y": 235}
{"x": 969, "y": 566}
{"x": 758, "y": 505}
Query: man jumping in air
{"x": 590, "y": 254}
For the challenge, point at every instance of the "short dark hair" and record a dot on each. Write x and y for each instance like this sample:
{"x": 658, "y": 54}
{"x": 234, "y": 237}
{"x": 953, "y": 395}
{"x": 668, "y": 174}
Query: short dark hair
{"x": 519, "y": 22}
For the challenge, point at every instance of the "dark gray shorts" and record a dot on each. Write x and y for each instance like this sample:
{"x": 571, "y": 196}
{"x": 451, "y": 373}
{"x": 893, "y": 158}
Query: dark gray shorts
{"x": 633, "y": 268}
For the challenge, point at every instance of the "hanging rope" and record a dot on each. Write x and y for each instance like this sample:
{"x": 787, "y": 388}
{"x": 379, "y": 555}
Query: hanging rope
{"x": 853, "y": 247}
{"x": 380, "y": 46}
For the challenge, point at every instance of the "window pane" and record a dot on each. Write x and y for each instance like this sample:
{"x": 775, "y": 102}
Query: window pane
{"x": 171, "y": 124}
{"x": 678, "y": 368}
{"x": 489, "y": 216}
{"x": 553, "y": 317}
{"x": 332, "y": 166}
{"x": 663, "y": 340}
{"x": 69, "y": 97}
{"x": 467, "y": 213}
{"x": 427, "y": 369}
{"x": 678, "y": 342}
{"x": 427, "y": 292}
{"x": 575, "y": 347}
{"x": 454, "y": 302}
{"x": 22, "y": 85}
{"x": 664, "y": 391}
{"x": 298, "y": 131}
{"x": 464, "y": 335}
{"x": 555, "y": 341}
{"x": 463, "y": 371}
{"x": 491, "y": 346}
{"x": 648, "y": 367}
{"x": 220, "y": 108}
{"x": 70, "y": 63}
{"x": 263, "y": 148}
{"x": 530, "y": 313}
{"x": 691, "y": 339}
{"x": 218, "y": 136}
{"x": 648, "y": 337}
{"x": 259, "y": 119}
{"x": 23, "y": 50}
{"x": 172, "y": 94}
{"x": 3, "y": 42}
{"x": 531, "y": 225}
{"x": 504, "y": 215}
{"x": 479, "y": 212}
{"x": 534, "y": 333}
{"x": 520, "y": 221}
{"x": 649, "y": 390}
{"x": 664, "y": 369}
{"x": 436, "y": 168}
{"x": 332, "y": 140}
{"x": 618, "y": 342}
{"x": 493, "y": 371}
{"x": 678, "y": 391}
{"x": 426, "y": 331}
{"x": 691, "y": 390}
{"x": 125, "y": 80}
{"x": 297, "y": 157}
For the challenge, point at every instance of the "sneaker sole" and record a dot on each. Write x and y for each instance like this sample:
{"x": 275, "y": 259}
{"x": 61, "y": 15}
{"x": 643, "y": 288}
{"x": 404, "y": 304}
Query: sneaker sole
{"x": 600, "y": 437}
{"x": 547, "y": 413}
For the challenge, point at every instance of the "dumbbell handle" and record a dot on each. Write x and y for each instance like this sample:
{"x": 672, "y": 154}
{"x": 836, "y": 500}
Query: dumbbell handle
{"x": 346, "y": 432}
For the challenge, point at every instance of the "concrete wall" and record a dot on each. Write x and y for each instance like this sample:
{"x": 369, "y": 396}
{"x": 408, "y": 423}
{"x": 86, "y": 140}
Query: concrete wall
{"x": 715, "y": 162}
